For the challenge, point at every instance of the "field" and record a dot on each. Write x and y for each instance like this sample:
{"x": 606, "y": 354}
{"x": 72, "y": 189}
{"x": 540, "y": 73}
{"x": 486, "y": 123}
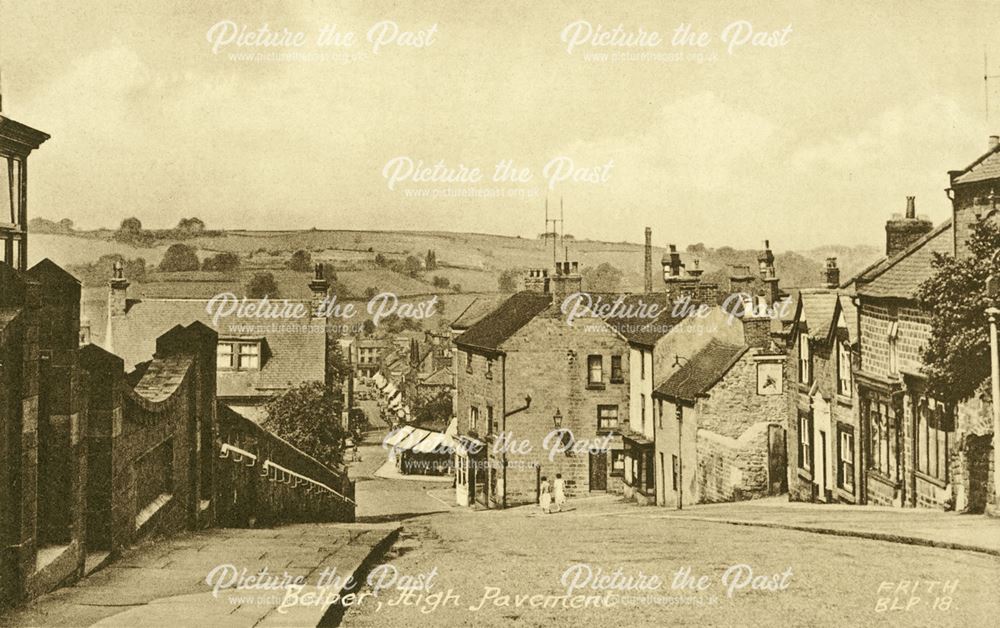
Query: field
{"x": 472, "y": 261}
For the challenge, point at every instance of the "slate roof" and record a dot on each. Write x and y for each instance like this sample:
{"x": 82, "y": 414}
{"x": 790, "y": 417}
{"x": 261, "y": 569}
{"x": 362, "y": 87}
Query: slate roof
{"x": 986, "y": 167}
{"x": 504, "y": 321}
{"x": 901, "y": 275}
{"x": 288, "y": 357}
{"x": 818, "y": 307}
{"x": 476, "y": 310}
{"x": 440, "y": 377}
{"x": 703, "y": 371}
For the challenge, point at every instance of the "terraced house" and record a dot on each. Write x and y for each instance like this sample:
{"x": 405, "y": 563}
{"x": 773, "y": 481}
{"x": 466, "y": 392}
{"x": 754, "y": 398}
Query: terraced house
{"x": 823, "y": 456}
{"x": 917, "y": 450}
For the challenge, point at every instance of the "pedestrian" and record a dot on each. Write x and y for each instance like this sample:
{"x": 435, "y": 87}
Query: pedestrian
{"x": 559, "y": 490}
{"x": 544, "y": 497}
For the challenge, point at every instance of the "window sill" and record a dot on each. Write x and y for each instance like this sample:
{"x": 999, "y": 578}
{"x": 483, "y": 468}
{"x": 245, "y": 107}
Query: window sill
{"x": 608, "y": 430}
{"x": 595, "y": 386}
{"x": 845, "y": 401}
{"x": 877, "y": 475}
{"x": 805, "y": 474}
{"x": 930, "y": 479}
{"x": 617, "y": 380}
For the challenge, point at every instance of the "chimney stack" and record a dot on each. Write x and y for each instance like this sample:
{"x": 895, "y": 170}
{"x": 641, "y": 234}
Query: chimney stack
{"x": 902, "y": 231}
{"x": 537, "y": 280}
{"x": 831, "y": 274}
{"x": 319, "y": 287}
{"x": 117, "y": 295}
{"x": 648, "y": 269}
{"x": 993, "y": 142}
{"x": 567, "y": 280}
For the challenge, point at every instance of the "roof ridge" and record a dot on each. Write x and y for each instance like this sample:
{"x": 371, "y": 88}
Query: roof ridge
{"x": 891, "y": 262}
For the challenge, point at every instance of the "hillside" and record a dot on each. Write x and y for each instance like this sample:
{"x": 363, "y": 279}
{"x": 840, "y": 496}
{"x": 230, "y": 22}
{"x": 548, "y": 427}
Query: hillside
{"x": 472, "y": 261}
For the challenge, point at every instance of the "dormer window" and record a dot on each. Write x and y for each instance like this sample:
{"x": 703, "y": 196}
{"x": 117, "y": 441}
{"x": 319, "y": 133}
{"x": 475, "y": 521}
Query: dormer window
{"x": 238, "y": 355}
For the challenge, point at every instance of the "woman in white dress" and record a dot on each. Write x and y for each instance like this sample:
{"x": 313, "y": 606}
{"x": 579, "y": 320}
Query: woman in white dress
{"x": 559, "y": 492}
{"x": 544, "y": 497}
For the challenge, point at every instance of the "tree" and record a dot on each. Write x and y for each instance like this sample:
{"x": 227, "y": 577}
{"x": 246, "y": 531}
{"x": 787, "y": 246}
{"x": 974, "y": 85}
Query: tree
{"x": 957, "y": 358}
{"x": 189, "y": 227}
{"x": 507, "y": 282}
{"x": 131, "y": 232}
{"x": 431, "y": 409}
{"x": 430, "y": 262}
{"x": 179, "y": 257}
{"x": 440, "y": 282}
{"x": 603, "y": 278}
{"x": 301, "y": 261}
{"x": 308, "y": 417}
{"x": 262, "y": 285}
{"x": 130, "y": 225}
{"x": 222, "y": 262}
{"x": 412, "y": 266}
{"x": 66, "y": 224}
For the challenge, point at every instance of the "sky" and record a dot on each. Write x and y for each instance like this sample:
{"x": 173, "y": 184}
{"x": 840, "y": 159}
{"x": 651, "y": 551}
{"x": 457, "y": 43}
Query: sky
{"x": 163, "y": 112}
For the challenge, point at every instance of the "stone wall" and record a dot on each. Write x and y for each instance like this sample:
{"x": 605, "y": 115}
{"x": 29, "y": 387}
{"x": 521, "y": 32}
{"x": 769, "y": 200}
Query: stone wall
{"x": 146, "y": 434}
{"x": 731, "y": 469}
{"x": 733, "y": 405}
{"x": 262, "y": 480}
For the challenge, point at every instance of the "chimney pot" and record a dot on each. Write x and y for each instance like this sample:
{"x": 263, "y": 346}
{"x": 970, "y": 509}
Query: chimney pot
{"x": 911, "y": 208}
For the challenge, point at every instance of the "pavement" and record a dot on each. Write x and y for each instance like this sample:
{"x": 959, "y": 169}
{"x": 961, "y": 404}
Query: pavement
{"x": 199, "y": 579}
{"x": 915, "y": 526}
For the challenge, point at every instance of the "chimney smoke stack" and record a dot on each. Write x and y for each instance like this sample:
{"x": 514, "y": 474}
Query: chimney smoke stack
{"x": 648, "y": 268}
{"x": 911, "y": 206}
{"x": 993, "y": 142}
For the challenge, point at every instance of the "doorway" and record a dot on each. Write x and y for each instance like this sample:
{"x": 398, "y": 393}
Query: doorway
{"x": 599, "y": 471}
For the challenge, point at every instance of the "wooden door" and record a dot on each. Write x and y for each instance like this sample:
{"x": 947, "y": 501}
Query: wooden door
{"x": 599, "y": 471}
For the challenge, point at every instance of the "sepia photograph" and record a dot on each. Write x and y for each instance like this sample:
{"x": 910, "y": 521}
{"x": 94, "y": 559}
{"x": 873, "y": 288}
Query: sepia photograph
{"x": 371, "y": 313}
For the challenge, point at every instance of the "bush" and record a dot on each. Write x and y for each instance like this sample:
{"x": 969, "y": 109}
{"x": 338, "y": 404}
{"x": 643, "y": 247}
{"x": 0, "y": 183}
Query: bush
{"x": 507, "y": 282}
{"x": 222, "y": 262}
{"x": 308, "y": 417}
{"x": 179, "y": 257}
{"x": 440, "y": 282}
{"x": 301, "y": 261}
{"x": 262, "y": 285}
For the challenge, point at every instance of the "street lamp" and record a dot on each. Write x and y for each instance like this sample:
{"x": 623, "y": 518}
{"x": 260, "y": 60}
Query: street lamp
{"x": 557, "y": 419}
{"x": 993, "y": 292}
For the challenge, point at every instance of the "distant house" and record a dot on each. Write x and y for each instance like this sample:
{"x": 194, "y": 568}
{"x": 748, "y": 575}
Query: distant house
{"x": 257, "y": 359}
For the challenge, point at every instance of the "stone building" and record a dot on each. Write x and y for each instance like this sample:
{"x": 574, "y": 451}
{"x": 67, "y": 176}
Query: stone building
{"x": 919, "y": 451}
{"x": 823, "y": 448}
{"x": 718, "y": 413}
{"x": 257, "y": 358}
{"x": 528, "y": 386}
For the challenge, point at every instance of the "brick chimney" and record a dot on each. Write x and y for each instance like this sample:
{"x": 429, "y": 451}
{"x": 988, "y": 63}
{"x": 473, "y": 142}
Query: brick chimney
{"x": 831, "y": 274}
{"x": 567, "y": 280}
{"x": 768, "y": 273}
{"x": 741, "y": 281}
{"x": 117, "y": 295}
{"x": 648, "y": 269}
{"x": 319, "y": 287}
{"x": 902, "y": 231}
{"x": 672, "y": 265}
{"x": 537, "y": 280}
